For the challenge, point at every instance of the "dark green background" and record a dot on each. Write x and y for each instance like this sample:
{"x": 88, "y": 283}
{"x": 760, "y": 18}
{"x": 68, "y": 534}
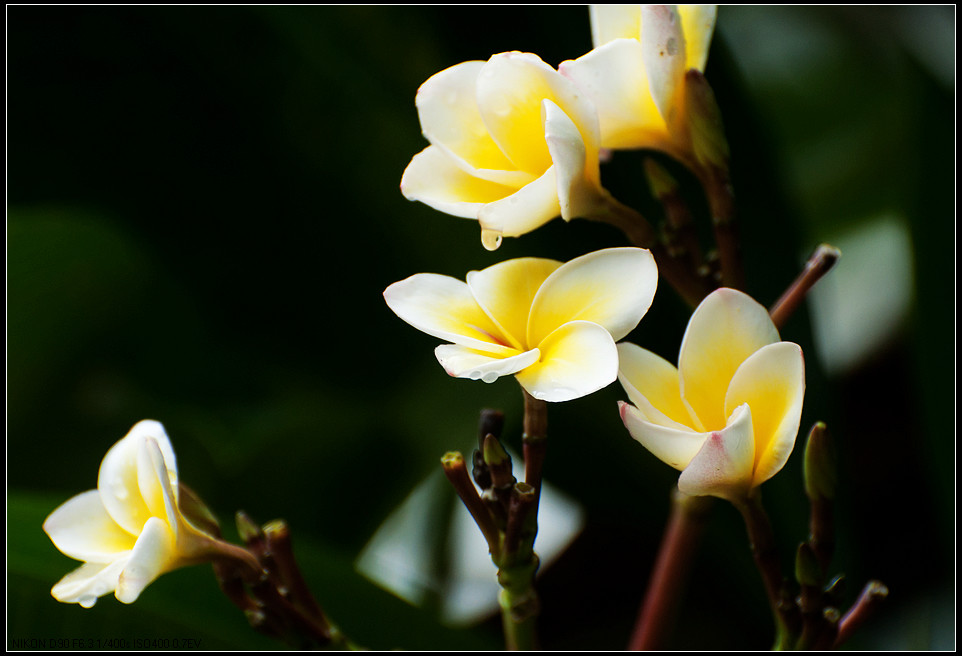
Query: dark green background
{"x": 203, "y": 211}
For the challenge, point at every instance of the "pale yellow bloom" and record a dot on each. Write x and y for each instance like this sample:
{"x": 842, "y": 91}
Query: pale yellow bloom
{"x": 514, "y": 144}
{"x": 728, "y": 416}
{"x": 635, "y": 75}
{"x": 130, "y": 529}
{"x": 551, "y": 325}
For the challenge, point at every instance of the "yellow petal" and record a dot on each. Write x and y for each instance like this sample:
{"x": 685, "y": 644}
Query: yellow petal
{"x": 613, "y": 287}
{"x": 153, "y": 555}
{"x": 726, "y": 328}
{"x": 610, "y": 22}
{"x": 436, "y": 180}
{"x": 82, "y": 529}
{"x": 673, "y": 446}
{"x": 506, "y": 290}
{"x": 664, "y": 48}
{"x": 448, "y": 110}
{"x": 444, "y": 307}
{"x": 576, "y": 359}
{"x": 772, "y": 383}
{"x": 698, "y": 24}
{"x": 723, "y": 466}
{"x": 613, "y": 76}
{"x": 511, "y": 88}
{"x": 462, "y": 362}
{"x": 652, "y": 385}
{"x": 119, "y": 480}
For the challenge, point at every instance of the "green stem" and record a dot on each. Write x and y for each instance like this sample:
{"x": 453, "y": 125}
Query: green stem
{"x": 656, "y": 616}
{"x": 762, "y": 543}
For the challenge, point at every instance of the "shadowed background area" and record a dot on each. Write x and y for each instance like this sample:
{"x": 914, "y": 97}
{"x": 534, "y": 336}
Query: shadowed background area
{"x": 203, "y": 211}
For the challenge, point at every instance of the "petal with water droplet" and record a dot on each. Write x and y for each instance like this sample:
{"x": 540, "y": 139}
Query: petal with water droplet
{"x": 576, "y": 359}
{"x": 88, "y": 582}
{"x": 462, "y": 362}
{"x": 524, "y": 210}
{"x": 444, "y": 307}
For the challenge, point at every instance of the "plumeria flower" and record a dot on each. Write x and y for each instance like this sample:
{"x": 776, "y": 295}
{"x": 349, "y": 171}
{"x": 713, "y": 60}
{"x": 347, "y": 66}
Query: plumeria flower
{"x": 728, "y": 416}
{"x": 551, "y": 325}
{"x": 637, "y": 73}
{"x": 129, "y": 530}
{"x": 514, "y": 144}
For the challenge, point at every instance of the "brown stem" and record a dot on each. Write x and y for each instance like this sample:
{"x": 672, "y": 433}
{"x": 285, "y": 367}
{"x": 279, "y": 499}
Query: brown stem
{"x": 819, "y": 263}
{"x": 535, "y": 439}
{"x": 721, "y": 201}
{"x": 457, "y": 473}
{"x": 657, "y": 613}
{"x": 868, "y": 602}
{"x": 640, "y": 232}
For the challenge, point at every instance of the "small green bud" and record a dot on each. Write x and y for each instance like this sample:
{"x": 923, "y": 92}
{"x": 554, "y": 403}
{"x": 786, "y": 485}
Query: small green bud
{"x": 807, "y": 570}
{"x": 247, "y": 528}
{"x": 820, "y": 464}
{"x": 705, "y": 122}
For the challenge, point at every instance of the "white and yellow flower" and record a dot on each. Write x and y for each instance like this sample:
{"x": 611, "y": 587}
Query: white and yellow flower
{"x": 728, "y": 416}
{"x": 129, "y": 530}
{"x": 636, "y": 73}
{"x": 514, "y": 144}
{"x": 551, "y": 325}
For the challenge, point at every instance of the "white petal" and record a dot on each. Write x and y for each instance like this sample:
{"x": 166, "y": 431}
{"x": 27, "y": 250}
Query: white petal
{"x": 506, "y": 290}
{"x": 576, "y": 359}
{"x": 610, "y": 22}
{"x": 82, "y": 529}
{"x": 772, "y": 382}
{"x": 88, "y": 582}
{"x": 652, "y": 385}
{"x": 614, "y": 78}
{"x": 726, "y": 328}
{"x": 723, "y": 466}
{"x": 462, "y": 362}
{"x": 673, "y": 446}
{"x": 664, "y": 52}
{"x": 698, "y": 24}
{"x": 613, "y": 287}
{"x": 448, "y": 110}
{"x": 577, "y": 175}
{"x": 444, "y": 307}
{"x": 525, "y": 210}
{"x": 118, "y": 479}
{"x": 154, "y": 554}
{"x": 436, "y": 180}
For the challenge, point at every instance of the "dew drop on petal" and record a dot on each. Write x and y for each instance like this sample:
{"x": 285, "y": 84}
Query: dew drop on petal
{"x": 87, "y": 601}
{"x": 490, "y": 239}
{"x": 489, "y": 377}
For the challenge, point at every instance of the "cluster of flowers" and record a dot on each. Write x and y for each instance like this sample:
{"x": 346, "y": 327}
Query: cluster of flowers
{"x": 514, "y": 144}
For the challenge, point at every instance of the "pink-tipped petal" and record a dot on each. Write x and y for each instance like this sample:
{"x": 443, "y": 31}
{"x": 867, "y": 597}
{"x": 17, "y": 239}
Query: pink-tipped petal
{"x": 723, "y": 466}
